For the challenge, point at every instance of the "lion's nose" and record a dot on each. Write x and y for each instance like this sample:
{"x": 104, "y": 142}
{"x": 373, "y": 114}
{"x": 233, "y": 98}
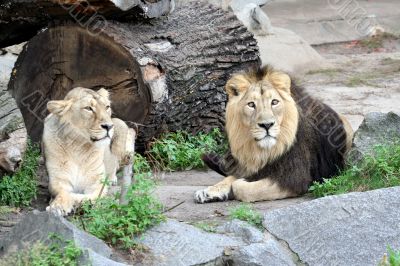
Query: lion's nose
{"x": 107, "y": 126}
{"x": 266, "y": 126}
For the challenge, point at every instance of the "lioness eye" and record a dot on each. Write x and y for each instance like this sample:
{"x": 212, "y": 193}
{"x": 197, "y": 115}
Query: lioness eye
{"x": 274, "y": 102}
{"x": 251, "y": 105}
{"x": 107, "y": 107}
{"x": 88, "y": 108}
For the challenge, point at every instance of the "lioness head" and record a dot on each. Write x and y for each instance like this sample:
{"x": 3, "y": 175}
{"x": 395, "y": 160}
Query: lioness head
{"x": 87, "y": 111}
{"x": 261, "y": 115}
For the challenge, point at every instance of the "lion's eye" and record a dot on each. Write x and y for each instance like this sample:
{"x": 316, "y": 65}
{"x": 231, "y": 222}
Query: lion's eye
{"x": 251, "y": 105}
{"x": 107, "y": 107}
{"x": 274, "y": 102}
{"x": 88, "y": 108}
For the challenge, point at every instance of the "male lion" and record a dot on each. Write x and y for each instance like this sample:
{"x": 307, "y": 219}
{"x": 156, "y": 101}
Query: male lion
{"x": 281, "y": 140}
{"x": 83, "y": 146}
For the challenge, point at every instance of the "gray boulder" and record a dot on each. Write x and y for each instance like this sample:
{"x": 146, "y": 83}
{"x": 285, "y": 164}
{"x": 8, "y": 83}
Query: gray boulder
{"x": 175, "y": 243}
{"x": 266, "y": 253}
{"x": 245, "y": 231}
{"x": 37, "y": 226}
{"x": 350, "y": 229}
{"x": 376, "y": 128}
{"x": 236, "y": 243}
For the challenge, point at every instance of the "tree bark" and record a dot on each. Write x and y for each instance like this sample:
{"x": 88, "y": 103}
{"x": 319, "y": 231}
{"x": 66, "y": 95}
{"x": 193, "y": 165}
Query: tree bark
{"x": 13, "y": 136}
{"x": 21, "y": 20}
{"x": 168, "y": 75}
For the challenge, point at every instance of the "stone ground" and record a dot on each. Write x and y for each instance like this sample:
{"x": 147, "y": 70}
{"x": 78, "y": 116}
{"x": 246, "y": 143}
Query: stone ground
{"x": 320, "y": 22}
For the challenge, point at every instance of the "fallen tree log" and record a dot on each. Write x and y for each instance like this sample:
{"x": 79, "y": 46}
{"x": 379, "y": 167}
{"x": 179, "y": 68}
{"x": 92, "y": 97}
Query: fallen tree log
{"x": 13, "y": 136}
{"x": 21, "y": 20}
{"x": 168, "y": 75}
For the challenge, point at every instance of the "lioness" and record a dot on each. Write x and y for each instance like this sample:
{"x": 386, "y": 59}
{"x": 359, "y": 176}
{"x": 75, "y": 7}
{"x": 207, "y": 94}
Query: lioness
{"x": 281, "y": 140}
{"x": 83, "y": 146}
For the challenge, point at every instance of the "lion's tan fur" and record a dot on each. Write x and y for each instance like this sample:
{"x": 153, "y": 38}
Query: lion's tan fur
{"x": 77, "y": 153}
{"x": 243, "y": 146}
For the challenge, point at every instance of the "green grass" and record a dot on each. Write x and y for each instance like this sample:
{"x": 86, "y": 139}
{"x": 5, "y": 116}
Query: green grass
{"x": 392, "y": 258}
{"x": 246, "y": 212}
{"x": 331, "y": 72}
{"x": 5, "y": 210}
{"x": 58, "y": 253}
{"x": 118, "y": 224}
{"x": 375, "y": 42}
{"x": 182, "y": 150}
{"x": 375, "y": 171}
{"x": 209, "y": 227}
{"x": 20, "y": 188}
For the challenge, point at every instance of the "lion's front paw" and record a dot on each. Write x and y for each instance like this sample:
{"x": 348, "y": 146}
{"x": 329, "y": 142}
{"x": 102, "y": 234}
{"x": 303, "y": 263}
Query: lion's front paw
{"x": 61, "y": 206}
{"x": 211, "y": 194}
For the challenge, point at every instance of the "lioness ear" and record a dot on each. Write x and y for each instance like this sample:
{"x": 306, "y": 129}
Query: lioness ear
{"x": 59, "y": 107}
{"x": 237, "y": 85}
{"x": 280, "y": 81}
{"x": 103, "y": 93}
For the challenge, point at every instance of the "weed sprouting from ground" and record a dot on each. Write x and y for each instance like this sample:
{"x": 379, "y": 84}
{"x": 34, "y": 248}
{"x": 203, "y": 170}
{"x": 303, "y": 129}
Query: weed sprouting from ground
{"x": 4, "y": 210}
{"x": 246, "y": 212}
{"x": 182, "y": 150}
{"x": 392, "y": 258}
{"x": 58, "y": 253}
{"x": 209, "y": 227}
{"x": 20, "y": 188}
{"x": 375, "y": 171}
{"x": 118, "y": 224}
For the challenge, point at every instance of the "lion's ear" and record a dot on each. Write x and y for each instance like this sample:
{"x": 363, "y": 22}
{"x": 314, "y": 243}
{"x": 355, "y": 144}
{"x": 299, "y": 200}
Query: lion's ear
{"x": 237, "y": 85}
{"x": 103, "y": 93}
{"x": 280, "y": 81}
{"x": 58, "y": 107}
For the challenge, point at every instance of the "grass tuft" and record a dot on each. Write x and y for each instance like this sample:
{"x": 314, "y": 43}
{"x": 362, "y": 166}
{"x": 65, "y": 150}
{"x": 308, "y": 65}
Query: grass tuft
{"x": 20, "y": 188}
{"x": 182, "y": 150}
{"x": 391, "y": 259}
{"x": 246, "y": 212}
{"x": 58, "y": 253}
{"x": 375, "y": 171}
{"x": 209, "y": 227}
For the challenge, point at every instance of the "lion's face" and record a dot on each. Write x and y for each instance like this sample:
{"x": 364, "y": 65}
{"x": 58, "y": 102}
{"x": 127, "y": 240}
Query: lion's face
{"x": 261, "y": 111}
{"x": 87, "y": 111}
{"x": 258, "y": 106}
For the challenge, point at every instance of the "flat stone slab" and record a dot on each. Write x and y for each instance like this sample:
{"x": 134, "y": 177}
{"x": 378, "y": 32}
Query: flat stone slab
{"x": 179, "y": 188}
{"x": 350, "y": 229}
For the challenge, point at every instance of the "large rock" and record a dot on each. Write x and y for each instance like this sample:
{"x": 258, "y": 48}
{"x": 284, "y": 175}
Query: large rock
{"x": 261, "y": 249}
{"x": 260, "y": 254}
{"x": 377, "y": 128}
{"x": 351, "y": 229}
{"x": 174, "y": 243}
{"x": 37, "y": 226}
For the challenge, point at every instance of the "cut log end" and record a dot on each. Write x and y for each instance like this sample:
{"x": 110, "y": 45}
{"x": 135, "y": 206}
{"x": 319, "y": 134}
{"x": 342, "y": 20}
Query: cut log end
{"x": 76, "y": 58}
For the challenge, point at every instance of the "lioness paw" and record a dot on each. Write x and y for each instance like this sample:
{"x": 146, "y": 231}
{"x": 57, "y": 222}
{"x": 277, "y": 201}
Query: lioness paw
{"x": 211, "y": 194}
{"x": 59, "y": 207}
